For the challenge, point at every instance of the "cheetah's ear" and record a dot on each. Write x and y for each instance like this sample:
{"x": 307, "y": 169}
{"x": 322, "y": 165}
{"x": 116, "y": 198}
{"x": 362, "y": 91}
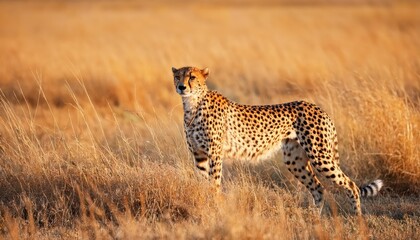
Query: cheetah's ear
{"x": 205, "y": 72}
{"x": 174, "y": 70}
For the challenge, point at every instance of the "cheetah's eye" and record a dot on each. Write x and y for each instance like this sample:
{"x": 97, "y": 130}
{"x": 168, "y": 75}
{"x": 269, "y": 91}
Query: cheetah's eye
{"x": 192, "y": 77}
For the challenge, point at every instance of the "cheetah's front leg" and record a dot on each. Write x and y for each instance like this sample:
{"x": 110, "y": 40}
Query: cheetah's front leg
{"x": 209, "y": 165}
{"x": 215, "y": 172}
{"x": 202, "y": 163}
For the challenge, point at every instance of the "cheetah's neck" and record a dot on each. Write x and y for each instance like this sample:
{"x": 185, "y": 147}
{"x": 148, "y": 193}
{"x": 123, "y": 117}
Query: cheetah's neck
{"x": 191, "y": 104}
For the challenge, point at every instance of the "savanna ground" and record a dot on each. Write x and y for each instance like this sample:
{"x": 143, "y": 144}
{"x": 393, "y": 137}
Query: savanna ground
{"x": 91, "y": 135}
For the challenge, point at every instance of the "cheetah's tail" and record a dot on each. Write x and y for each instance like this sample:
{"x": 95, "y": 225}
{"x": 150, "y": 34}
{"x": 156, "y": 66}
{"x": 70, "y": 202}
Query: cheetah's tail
{"x": 371, "y": 189}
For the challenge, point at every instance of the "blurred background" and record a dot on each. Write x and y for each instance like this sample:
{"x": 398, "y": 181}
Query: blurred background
{"x": 262, "y": 51}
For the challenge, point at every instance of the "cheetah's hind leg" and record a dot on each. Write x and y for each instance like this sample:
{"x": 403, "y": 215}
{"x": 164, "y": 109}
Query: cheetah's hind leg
{"x": 294, "y": 156}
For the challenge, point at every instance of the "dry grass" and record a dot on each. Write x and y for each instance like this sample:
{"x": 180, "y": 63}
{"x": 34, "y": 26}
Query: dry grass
{"x": 91, "y": 140}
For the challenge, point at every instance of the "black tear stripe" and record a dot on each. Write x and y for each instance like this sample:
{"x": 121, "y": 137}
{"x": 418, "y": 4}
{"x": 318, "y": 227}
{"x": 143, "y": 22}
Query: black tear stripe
{"x": 189, "y": 84}
{"x": 189, "y": 81}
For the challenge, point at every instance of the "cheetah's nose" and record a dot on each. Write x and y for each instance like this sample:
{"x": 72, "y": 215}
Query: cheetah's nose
{"x": 182, "y": 87}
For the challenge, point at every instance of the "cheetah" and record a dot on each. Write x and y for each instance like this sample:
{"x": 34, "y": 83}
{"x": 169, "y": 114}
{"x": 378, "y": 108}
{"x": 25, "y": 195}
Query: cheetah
{"x": 218, "y": 128}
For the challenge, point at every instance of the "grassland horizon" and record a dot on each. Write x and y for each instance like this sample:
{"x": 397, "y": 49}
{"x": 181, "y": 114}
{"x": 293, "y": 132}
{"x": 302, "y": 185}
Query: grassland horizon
{"x": 91, "y": 136}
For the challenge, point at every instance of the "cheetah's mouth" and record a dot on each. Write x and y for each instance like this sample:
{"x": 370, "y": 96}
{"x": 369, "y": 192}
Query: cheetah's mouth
{"x": 183, "y": 93}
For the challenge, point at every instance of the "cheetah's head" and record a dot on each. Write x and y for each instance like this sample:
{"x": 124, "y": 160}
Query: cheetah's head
{"x": 190, "y": 80}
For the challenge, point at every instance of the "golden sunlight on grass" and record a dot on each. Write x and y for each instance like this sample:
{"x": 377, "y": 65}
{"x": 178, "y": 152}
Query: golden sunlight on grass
{"x": 91, "y": 136}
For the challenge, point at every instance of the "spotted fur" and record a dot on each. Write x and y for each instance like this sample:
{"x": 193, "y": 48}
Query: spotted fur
{"x": 218, "y": 128}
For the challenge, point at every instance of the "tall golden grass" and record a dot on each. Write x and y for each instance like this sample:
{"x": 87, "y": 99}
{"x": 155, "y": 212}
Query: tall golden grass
{"x": 91, "y": 137}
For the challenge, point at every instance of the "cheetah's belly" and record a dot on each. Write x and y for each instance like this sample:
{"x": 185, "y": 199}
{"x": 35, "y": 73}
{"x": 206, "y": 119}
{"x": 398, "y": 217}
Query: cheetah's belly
{"x": 251, "y": 147}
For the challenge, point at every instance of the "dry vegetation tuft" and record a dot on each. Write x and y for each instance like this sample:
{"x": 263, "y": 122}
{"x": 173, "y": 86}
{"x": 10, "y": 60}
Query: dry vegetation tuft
{"x": 91, "y": 140}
